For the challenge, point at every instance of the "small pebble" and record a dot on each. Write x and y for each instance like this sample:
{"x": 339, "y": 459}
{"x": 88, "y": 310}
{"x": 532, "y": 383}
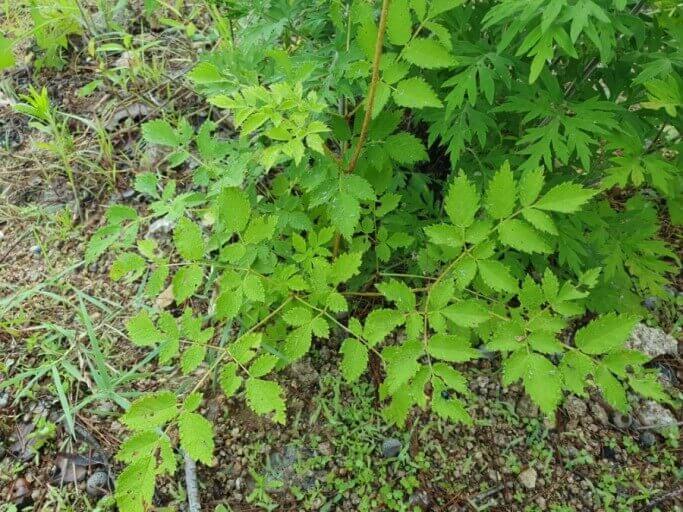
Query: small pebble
{"x": 647, "y": 439}
{"x": 622, "y": 420}
{"x": 36, "y": 250}
{"x": 391, "y": 447}
{"x": 97, "y": 484}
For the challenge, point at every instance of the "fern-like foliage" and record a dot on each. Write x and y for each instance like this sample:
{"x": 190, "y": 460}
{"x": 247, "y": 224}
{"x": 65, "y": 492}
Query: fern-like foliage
{"x": 504, "y": 236}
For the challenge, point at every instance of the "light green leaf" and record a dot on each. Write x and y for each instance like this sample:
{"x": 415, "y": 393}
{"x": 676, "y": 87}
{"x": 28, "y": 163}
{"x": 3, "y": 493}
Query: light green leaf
{"x": 543, "y": 383}
{"x": 6, "y": 55}
{"x": 160, "y": 132}
{"x": 253, "y": 289}
{"x": 428, "y": 54}
{"x": 186, "y": 281}
{"x": 606, "y": 333}
{"x": 611, "y": 389}
{"x": 405, "y": 148}
{"x": 501, "y": 193}
{"x": 399, "y": 23}
{"x": 521, "y": 236}
{"x": 379, "y": 323}
{"x": 142, "y": 332}
{"x": 265, "y": 397}
{"x": 345, "y": 267}
{"x": 565, "y": 198}
{"x": 188, "y": 240}
{"x": 462, "y": 202}
{"x": 530, "y": 185}
{"x": 234, "y": 209}
{"x": 196, "y": 437}
{"x": 354, "y": 359}
{"x": 151, "y": 411}
{"x": 496, "y": 275}
{"x": 399, "y": 293}
{"x": 467, "y": 313}
{"x": 415, "y": 93}
{"x": 540, "y": 220}
{"x": 229, "y": 380}
{"x": 454, "y": 349}
{"x": 345, "y": 213}
{"x": 445, "y": 234}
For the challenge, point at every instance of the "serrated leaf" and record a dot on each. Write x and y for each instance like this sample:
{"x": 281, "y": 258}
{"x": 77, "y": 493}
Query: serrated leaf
{"x": 262, "y": 365}
{"x": 125, "y": 263}
{"x": 521, "y": 236}
{"x": 345, "y": 213}
{"x": 401, "y": 365}
{"x": 186, "y": 281}
{"x": 160, "y": 132}
{"x": 514, "y": 367}
{"x": 565, "y": 198}
{"x": 192, "y": 357}
{"x": 196, "y": 437}
{"x": 188, "y": 240}
{"x": 234, "y": 209}
{"x": 606, "y": 333}
{"x": 345, "y": 267}
{"x": 405, "y": 148}
{"x": 141, "y": 444}
{"x": 540, "y": 220}
{"x": 543, "y": 383}
{"x": 229, "y": 380}
{"x": 428, "y": 54}
{"x": 453, "y": 379}
{"x": 445, "y": 234}
{"x": 501, "y": 193}
{"x": 298, "y": 342}
{"x": 379, "y": 323}
{"x": 496, "y": 275}
{"x": 648, "y": 386}
{"x": 142, "y": 331}
{"x": 450, "y": 408}
{"x": 611, "y": 389}
{"x": 354, "y": 359}
{"x": 454, "y": 349}
{"x": 151, "y": 411}
{"x": 462, "y": 201}
{"x": 135, "y": 485}
{"x": 399, "y": 23}
{"x": 467, "y": 313}
{"x": 253, "y": 289}
{"x": 399, "y": 293}
{"x": 265, "y": 397}
{"x": 415, "y": 93}
{"x": 530, "y": 185}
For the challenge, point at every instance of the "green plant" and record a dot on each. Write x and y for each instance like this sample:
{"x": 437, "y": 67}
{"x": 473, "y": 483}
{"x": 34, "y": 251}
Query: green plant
{"x": 520, "y": 248}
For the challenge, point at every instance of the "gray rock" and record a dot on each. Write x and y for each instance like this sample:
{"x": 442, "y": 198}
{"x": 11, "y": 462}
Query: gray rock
{"x": 526, "y": 408}
{"x": 391, "y": 447}
{"x": 651, "y": 341}
{"x": 576, "y": 410}
{"x": 655, "y": 416}
{"x": 622, "y": 420}
{"x": 97, "y": 484}
{"x": 528, "y": 478}
{"x": 599, "y": 414}
{"x": 162, "y": 225}
{"x": 36, "y": 250}
{"x": 647, "y": 439}
{"x": 420, "y": 499}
